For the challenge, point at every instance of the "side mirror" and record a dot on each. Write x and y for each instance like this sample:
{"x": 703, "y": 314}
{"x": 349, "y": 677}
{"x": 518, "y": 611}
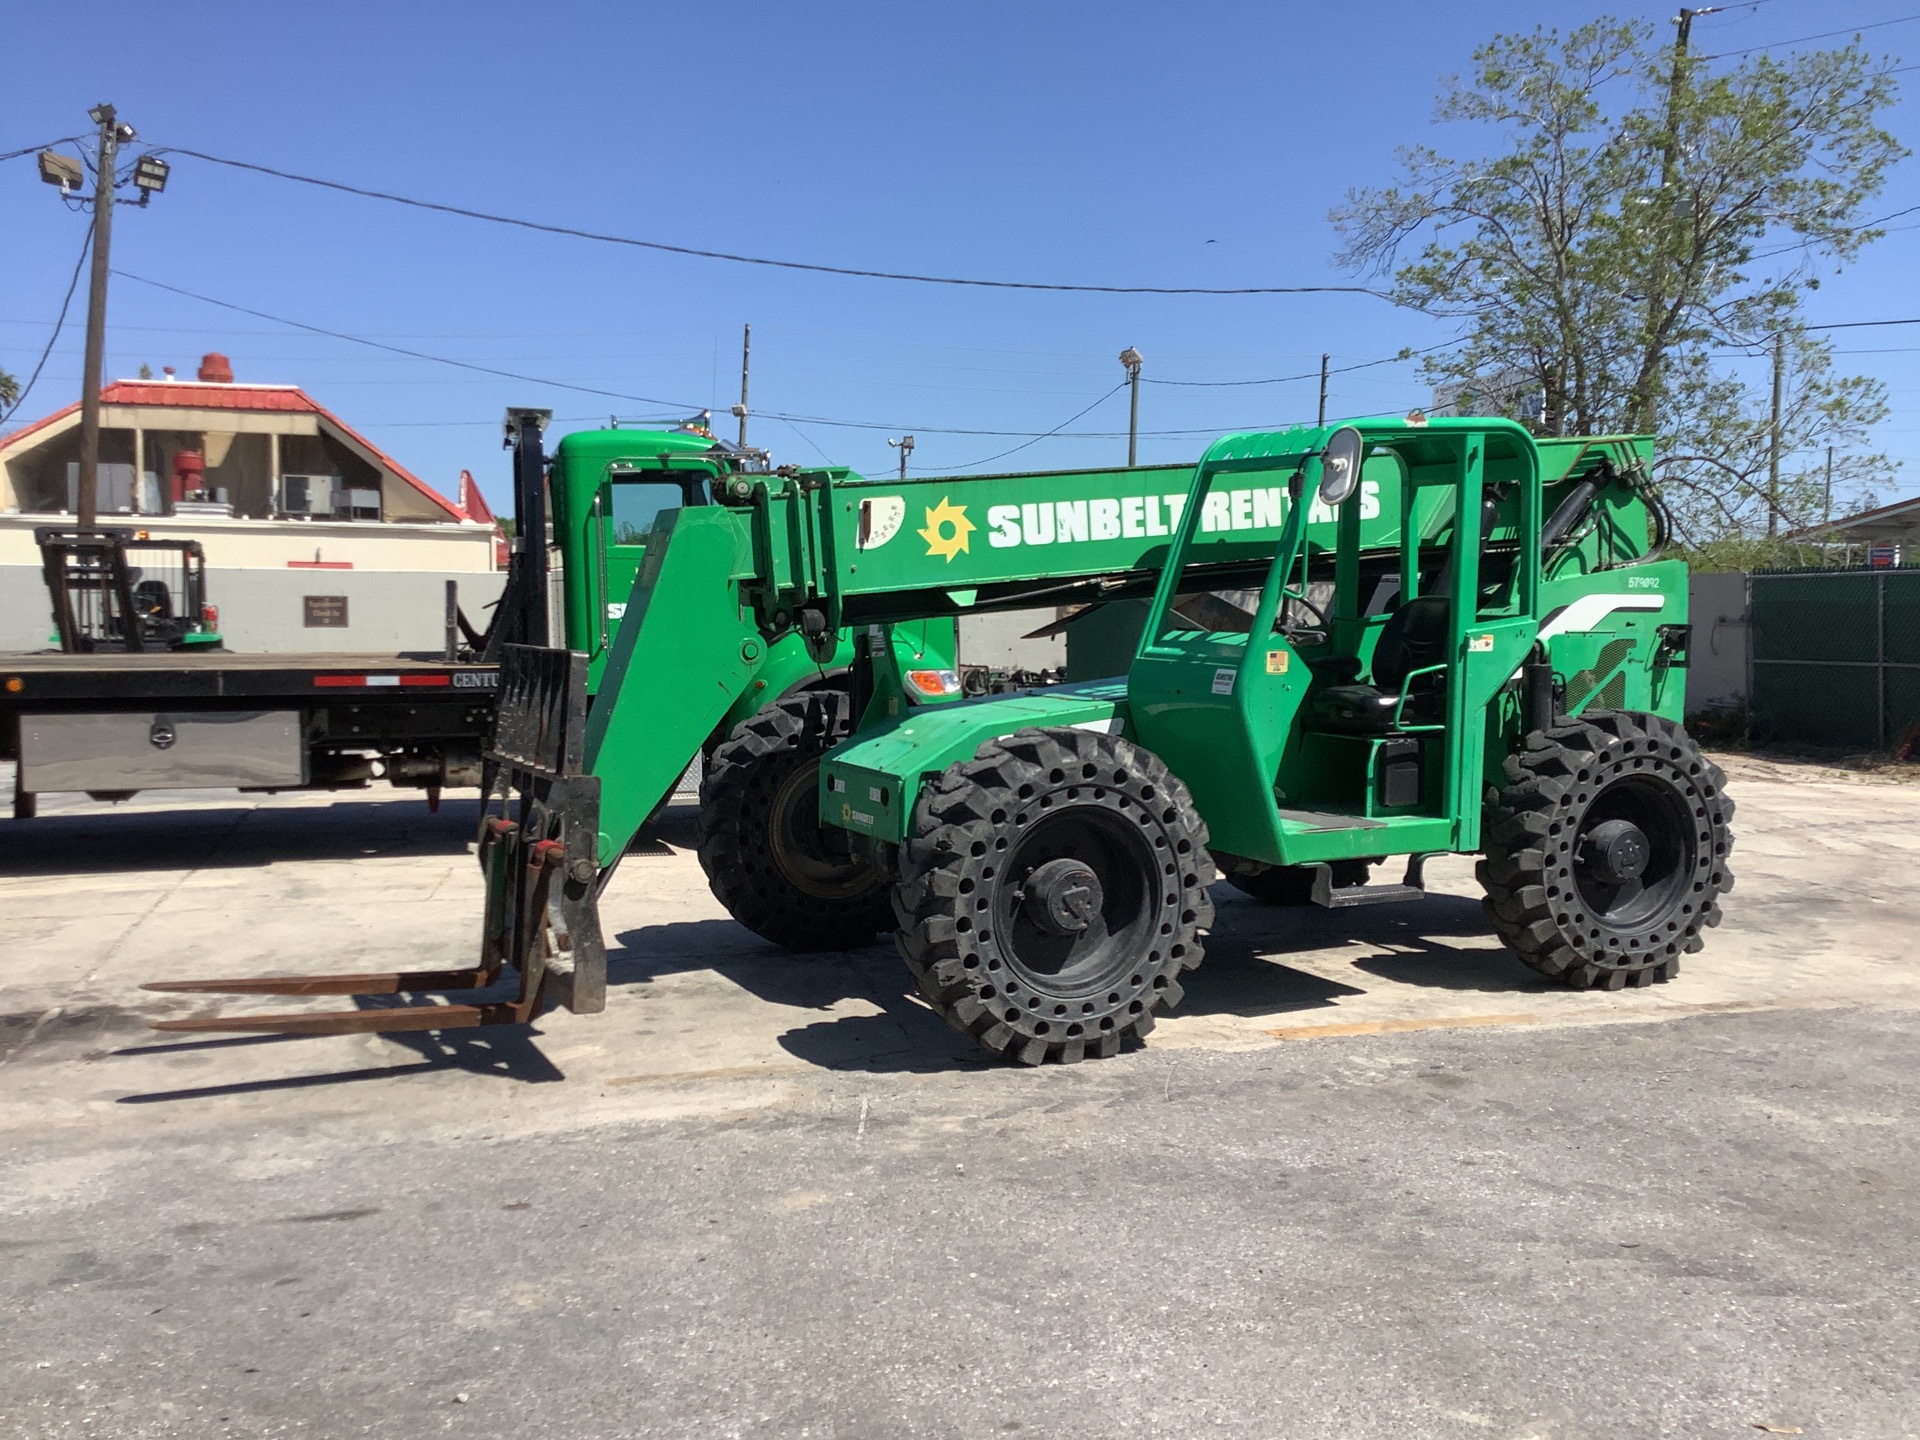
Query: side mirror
{"x": 1340, "y": 465}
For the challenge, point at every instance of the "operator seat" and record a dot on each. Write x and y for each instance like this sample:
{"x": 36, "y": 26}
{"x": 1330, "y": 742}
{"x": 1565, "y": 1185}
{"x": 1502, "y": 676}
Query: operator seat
{"x": 1414, "y": 637}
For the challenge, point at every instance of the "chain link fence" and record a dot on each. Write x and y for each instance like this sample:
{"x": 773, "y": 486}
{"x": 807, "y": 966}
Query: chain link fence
{"x": 1836, "y": 657}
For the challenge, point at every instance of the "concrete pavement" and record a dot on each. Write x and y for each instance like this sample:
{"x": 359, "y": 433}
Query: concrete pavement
{"x": 1373, "y": 1178}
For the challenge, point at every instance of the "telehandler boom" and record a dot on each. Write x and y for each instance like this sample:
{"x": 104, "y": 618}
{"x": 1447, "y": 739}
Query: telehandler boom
{"x": 1390, "y": 637}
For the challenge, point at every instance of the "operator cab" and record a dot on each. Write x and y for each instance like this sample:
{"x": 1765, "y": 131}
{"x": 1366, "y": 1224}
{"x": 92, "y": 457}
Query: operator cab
{"x": 1339, "y": 679}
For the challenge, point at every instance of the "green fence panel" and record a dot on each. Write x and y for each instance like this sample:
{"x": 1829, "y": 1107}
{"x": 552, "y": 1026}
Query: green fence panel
{"x": 1902, "y": 625}
{"x": 1813, "y": 617}
{"x": 1836, "y": 657}
{"x": 1816, "y": 704}
{"x": 1903, "y": 705}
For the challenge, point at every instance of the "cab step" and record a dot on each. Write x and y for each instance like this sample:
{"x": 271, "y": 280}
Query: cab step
{"x": 1412, "y": 886}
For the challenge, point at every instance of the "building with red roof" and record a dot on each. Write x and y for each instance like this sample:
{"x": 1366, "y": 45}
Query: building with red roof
{"x": 264, "y": 475}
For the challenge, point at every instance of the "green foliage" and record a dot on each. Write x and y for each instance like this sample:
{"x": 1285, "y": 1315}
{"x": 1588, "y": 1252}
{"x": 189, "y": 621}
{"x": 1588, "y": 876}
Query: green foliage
{"x": 9, "y": 390}
{"x": 1716, "y": 461}
{"x": 1748, "y": 554}
{"x": 1642, "y": 213}
{"x": 146, "y": 371}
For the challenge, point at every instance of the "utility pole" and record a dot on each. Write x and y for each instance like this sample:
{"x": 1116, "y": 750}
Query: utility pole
{"x": 1323, "y": 389}
{"x": 1826, "y": 510}
{"x": 149, "y": 178}
{"x": 1131, "y": 359}
{"x": 111, "y": 134}
{"x": 905, "y": 446}
{"x": 1642, "y": 416}
{"x": 1773, "y": 435}
{"x": 740, "y": 410}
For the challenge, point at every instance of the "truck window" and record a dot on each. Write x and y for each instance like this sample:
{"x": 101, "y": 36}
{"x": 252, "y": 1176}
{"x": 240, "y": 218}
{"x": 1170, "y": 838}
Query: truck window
{"x": 637, "y": 504}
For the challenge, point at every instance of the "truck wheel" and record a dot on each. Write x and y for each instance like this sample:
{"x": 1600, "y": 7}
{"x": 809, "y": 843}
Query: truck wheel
{"x": 1293, "y": 884}
{"x": 1606, "y": 850}
{"x": 768, "y": 859}
{"x": 1052, "y": 892}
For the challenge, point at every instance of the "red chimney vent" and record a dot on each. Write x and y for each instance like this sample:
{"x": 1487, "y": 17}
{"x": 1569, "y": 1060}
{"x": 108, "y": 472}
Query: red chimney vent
{"x": 216, "y": 369}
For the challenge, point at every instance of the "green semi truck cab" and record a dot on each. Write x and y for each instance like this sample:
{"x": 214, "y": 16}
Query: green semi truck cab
{"x": 610, "y": 493}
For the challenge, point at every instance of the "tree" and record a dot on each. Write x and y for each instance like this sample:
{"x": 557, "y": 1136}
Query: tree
{"x": 1643, "y": 214}
{"x": 1720, "y": 449}
{"x": 9, "y": 392}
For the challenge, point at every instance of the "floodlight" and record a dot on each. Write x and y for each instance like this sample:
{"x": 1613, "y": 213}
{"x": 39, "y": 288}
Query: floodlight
{"x": 151, "y": 173}
{"x": 61, "y": 170}
{"x": 101, "y": 114}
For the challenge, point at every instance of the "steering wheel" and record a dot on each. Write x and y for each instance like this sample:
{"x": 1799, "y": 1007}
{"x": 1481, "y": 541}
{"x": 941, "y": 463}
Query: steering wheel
{"x": 1294, "y": 597}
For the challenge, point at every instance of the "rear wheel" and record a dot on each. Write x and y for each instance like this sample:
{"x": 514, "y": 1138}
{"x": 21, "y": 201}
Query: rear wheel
{"x": 1052, "y": 893}
{"x": 1606, "y": 850}
{"x": 768, "y": 859}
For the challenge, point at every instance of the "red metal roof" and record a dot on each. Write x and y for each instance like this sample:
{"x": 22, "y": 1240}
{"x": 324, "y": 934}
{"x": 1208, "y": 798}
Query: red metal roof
{"x": 273, "y": 399}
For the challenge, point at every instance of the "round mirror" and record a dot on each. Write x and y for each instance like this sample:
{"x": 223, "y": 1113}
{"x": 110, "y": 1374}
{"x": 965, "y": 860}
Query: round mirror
{"x": 1340, "y": 465}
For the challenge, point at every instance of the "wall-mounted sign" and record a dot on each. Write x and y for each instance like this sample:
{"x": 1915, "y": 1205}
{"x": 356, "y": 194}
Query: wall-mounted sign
{"x": 325, "y": 612}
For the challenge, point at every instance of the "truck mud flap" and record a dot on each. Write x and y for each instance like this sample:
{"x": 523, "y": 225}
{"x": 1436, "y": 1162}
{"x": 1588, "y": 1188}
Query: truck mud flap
{"x": 539, "y": 837}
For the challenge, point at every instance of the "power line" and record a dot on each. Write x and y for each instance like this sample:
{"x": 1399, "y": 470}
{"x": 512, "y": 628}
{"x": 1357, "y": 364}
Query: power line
{"x": 402, "y": 350}
{"x": 976, "y": 464}
{"x": 697, "y": 253}
{"x": 86, "y": 248}
{"x": 1823, "y": 35}
{"x": 1861, "y": 324}
{"x": 785, "y": 416}
{"x": 34, "y": 149}
{"x": 1307, "y": 375}
{"x": 584, "y": 389}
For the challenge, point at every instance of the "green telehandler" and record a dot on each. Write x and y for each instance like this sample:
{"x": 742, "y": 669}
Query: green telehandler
{"x": 1387, "y": 637}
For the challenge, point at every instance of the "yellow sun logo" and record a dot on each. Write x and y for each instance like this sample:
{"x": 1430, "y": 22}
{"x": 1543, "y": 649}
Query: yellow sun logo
{"x": 947, "y": 529}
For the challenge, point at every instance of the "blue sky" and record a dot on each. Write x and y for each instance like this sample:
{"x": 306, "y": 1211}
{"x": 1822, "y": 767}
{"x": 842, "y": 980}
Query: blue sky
{"x": 1112, "y": 144}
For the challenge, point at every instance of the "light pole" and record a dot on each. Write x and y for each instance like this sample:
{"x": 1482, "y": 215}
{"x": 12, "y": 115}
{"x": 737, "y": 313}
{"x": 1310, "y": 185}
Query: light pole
{"x": 1131, "y": 359}
{"x": 905, "y": 446}
{"x": 740, "y": 410}
{"x": 150, "y": 177}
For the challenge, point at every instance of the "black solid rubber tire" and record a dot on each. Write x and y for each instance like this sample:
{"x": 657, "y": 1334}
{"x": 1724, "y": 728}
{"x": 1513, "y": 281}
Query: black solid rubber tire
{"x": 979, "y": 816}
{"x": 737, "y": 844}
{"x": 1532, "y": 824}
{"x": 1293, "y": 884}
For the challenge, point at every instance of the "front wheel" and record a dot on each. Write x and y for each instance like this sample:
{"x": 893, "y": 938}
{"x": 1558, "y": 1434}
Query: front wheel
{"x": 1052, "y": 893}
{"x": 1606, "y": 850}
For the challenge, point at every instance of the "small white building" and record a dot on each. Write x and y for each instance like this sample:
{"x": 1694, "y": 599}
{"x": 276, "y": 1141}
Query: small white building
{"x": 281, "y": 493}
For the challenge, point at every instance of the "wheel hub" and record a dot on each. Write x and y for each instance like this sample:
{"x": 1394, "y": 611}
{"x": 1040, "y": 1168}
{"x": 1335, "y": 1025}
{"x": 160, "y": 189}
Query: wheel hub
{"x": 1062, "y": 897}
{"x": 814, "y": 859}
{"x": 1614, "y": 852}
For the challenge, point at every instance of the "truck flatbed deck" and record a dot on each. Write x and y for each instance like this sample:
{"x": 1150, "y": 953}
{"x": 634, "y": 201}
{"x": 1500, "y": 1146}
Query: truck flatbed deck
{"x": 110, "y": 723}
{"x": 53, "y": 678}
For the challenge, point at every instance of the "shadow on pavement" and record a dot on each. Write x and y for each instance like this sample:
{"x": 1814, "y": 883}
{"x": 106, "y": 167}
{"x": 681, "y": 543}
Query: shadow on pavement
{"x": 1410, "y": 941}
{"x": 1239, "y": 977}
{"x": 101, "y": 841}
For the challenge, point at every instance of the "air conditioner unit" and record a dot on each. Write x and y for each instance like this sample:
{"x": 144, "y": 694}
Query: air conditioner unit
{"x": 356, "y": 505}
{"x": 308, "y": 495}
